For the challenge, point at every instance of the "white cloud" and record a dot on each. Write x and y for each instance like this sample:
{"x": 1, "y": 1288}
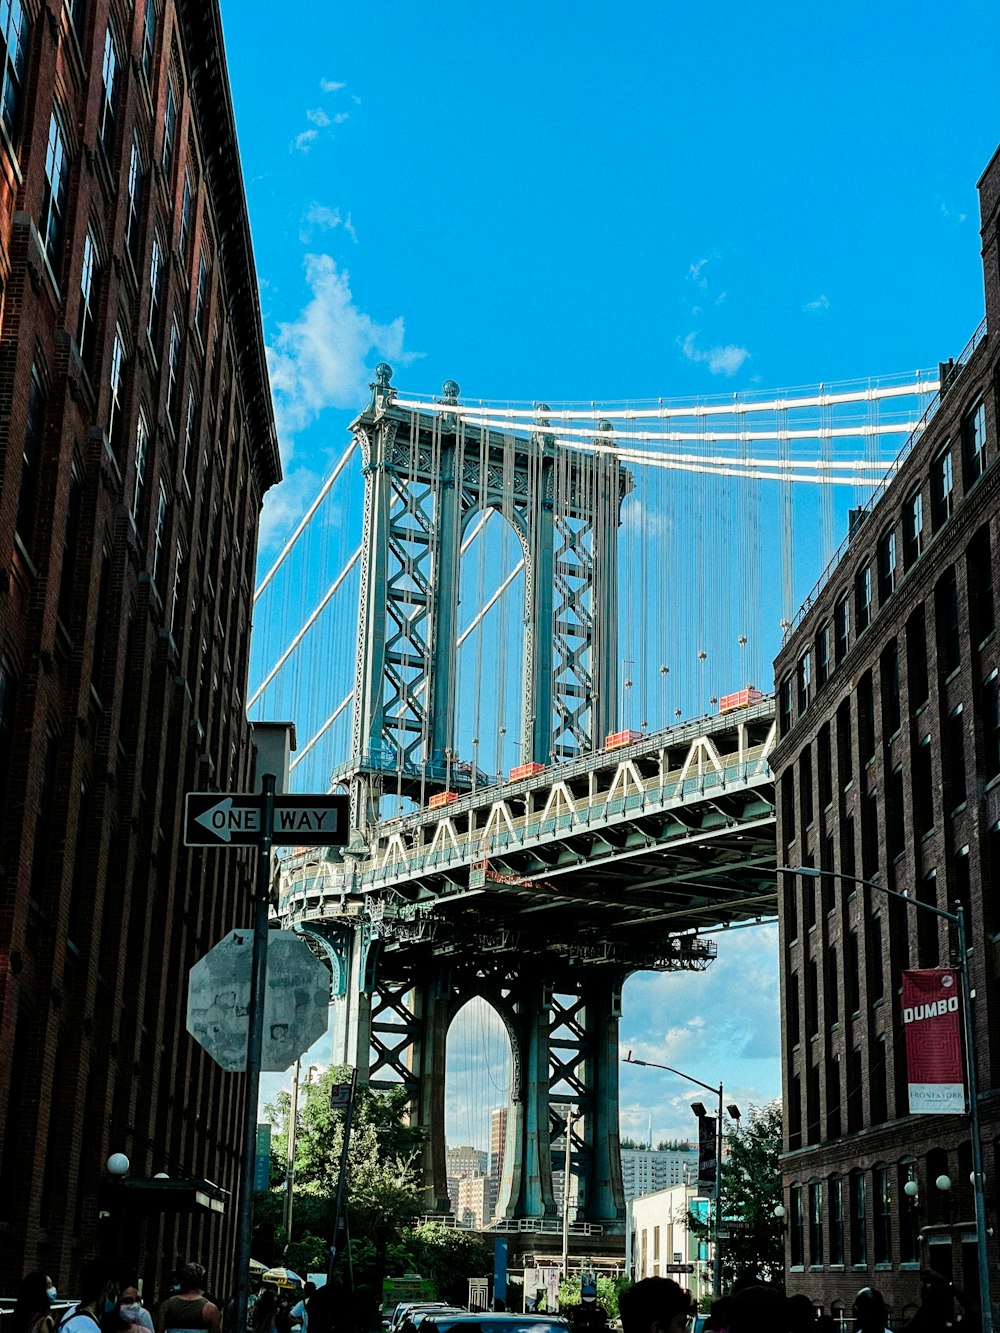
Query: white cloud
{"x": 318, "y": 117}
{"x": 304, "y": 141}
{"x": 320, "y": 359}
{"x": 340, "y": 117}
{"x": 950, "y": 215}
{"x": 694, "y": 272}
{"x": 326, "y": 219}
{"x": 724, "y": 360}
{"x": 331, "y": 86}
{"x": 285, "y": 504}
{"x": 822, "y": 302}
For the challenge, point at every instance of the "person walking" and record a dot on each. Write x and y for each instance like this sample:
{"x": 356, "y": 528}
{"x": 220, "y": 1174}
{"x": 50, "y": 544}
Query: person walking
{"x": 189, "y": 1308}
{"x": 300, "y": 1310}
{"x": 132, "y": 1310}
{"x": 98, "y": 1295}
{"x": 32, "y": 1312}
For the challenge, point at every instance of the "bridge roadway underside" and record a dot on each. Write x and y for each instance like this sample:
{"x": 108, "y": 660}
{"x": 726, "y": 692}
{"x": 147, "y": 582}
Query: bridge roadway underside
{"x": 611, "y": 856}
{"x": 541, "y": 896}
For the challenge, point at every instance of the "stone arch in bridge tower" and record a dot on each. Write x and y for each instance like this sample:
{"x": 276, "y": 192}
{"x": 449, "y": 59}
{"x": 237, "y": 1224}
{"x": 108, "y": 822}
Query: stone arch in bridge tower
{"x": 426, "y": 474}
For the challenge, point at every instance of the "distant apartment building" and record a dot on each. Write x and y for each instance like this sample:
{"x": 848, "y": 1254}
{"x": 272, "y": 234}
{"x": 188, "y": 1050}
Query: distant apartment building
{"x": 498, "y": 1135}
{"x": 461, "y": 1164}
{"x": 477, "y": 1196}
{"x": 645, "y": 1170}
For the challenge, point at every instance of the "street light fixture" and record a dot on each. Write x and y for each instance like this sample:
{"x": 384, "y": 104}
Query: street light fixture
{"x": 699, "y": 1109}
{"x": 957, "y": 918}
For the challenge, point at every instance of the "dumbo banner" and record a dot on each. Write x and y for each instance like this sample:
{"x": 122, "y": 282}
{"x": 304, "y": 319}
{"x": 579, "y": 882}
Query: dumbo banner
{"x": 932, "y": 1023}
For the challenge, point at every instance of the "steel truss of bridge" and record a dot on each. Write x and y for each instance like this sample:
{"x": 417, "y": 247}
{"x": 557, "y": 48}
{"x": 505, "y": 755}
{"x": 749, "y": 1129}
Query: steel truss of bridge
{"x": 541, "y": 896}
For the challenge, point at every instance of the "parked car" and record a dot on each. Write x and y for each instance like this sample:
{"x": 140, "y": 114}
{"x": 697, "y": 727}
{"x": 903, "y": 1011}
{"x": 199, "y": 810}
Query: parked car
{"x": 485, "y": 1321}
{"x": 416, "y": 1310}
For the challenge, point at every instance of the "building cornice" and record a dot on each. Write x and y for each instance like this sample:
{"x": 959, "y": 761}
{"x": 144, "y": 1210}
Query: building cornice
{"x": 201, "y": 34}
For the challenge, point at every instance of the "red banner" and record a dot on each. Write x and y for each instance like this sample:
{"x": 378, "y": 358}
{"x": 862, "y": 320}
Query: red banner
{"x": 932, "y": 1024}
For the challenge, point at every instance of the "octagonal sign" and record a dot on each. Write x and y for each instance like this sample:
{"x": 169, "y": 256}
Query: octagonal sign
{"x": 295, "y": 1010}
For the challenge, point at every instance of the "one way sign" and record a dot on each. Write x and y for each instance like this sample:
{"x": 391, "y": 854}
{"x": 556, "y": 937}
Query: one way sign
{"x": 233, "y": 819}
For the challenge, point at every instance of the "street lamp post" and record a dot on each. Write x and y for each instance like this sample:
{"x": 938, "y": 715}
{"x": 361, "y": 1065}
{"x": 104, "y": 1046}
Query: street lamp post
{"x": 968, "y": 1052}
{"x": 717, "y": 1190}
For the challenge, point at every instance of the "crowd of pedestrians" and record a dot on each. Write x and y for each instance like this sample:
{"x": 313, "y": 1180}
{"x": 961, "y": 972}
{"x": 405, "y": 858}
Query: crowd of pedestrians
{"x": 660, "y": 1305}
{"x": 106, "y": 1307}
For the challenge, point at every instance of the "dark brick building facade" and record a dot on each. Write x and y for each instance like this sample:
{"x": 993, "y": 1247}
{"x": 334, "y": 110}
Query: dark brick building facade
{"x": 136, "y": 443}
{"x": 888, "y": 768}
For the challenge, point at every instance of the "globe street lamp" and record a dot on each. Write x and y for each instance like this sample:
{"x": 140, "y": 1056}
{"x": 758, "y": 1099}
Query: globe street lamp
{"x": 700, "y": 1112}
{"x": 968, "y": 1057}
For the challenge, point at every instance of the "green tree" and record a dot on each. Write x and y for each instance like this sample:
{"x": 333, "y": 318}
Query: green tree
{"x": 608, "y": 1291}
{"x": 751, "y": 1188}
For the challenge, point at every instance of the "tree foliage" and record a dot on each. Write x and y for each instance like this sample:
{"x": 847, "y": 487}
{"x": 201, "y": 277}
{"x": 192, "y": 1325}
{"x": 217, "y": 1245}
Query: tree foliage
{"x": 751, "y": 1189}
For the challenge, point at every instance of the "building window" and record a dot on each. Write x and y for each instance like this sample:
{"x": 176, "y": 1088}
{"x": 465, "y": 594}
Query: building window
{"x": 845, "y": 750}
{"x": 923, "y": 787}
{"x": 824, "y": 765}
{"x": 866, "y": 719}
{"x": 785, "y": 706}
{"x": 946, "y": 616}
{"x": 116, "y": 404}
{"x": 886, "y": 566}
{"x": 31, "y": 461}
{"x": 979, "y": 578}
{"x": 805, "y": 681}
{"x": 815, "y": 1222}
{"x": 869, "y": 835}
{"x": 190, "y": 444}
{"x": 173, "y": 367}
{"x": 14, "y": 31}
{"x": 43, "y": 820}
{"x": 796, "y": 1228}
{"x": 833, "y": 1098}
{"x": 876, "y": 961}
{"x": 991, "y": 727}
{"x": 133, "y": 223}
{"x": 853, "y": 961}
{"x": 141, "y": 459}
{"x": 148, "y": 39}
{"x": 794, "y": 1026}
{"x": 855, "y": 1091}
{"x": 895, "y": 828}
{"x": 863, "y": 597}
{"x": 201, "y": 294}
{"x": 836, "y": 1220}
{"x": 955, "y": 756}
{"x": 155, "y": 284}
{"x": 178, "y": 593}
{"x": 78, "y": 13}
{"x": 859, "y": 1238}
{"x": 917, "y": 674}
{"x": 927, "y": 923}
{"x": 942, "y": 489}
{"x": 883, "y": 1215}
{"x": 184, "y": 232}
{"x": 109, "y": 94}
{"x": 71, "y": 538}
{"x": 159, "y": 538}
{"x": 86, "y": 325}
{"x": 913, "y": 529}
{"x": 831, "y": 988}
{"x": 842, "y": 627}
{"x": 889, "y": 672}
{"x": 974, "y": 443}
{"x": 53, "y": 212}
{"x": 169, "y": 129}
{"x": 822, "y": 655}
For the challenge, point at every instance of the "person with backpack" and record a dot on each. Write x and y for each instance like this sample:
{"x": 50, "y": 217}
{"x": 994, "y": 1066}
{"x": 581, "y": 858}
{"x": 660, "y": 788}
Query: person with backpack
{"x": 98, "y": 1296}
{"x": 33, "y": 1311}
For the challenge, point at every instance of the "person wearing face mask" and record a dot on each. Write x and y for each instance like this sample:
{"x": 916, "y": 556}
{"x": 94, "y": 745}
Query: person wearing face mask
{"x": 131, "y": 1309}
{"x": 33, "y": 1311}
{"x": 98, "y": 1295}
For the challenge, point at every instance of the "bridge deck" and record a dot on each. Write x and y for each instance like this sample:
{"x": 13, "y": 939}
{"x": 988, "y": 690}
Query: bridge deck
{"x": 611, "y": 854}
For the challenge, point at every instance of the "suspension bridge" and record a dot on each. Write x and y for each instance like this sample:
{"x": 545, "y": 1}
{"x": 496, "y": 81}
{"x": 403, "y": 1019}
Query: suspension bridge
{"x": 533, "y": 643}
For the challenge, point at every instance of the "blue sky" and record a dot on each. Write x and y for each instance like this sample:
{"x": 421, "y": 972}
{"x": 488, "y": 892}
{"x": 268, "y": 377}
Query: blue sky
{"x": 609, "y": 202}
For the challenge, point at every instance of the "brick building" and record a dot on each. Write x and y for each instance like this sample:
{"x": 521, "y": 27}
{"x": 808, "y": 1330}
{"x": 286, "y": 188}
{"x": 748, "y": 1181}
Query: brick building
{"x": 888, "y": 769}
{"x": 136, "y": 443}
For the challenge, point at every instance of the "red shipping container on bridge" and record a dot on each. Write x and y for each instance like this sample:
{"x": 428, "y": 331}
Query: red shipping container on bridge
{"x": 525, "y": 771}
{"x": 741, "y": 699}
{"x": 441, "y": 798}
{"x": 619, "y": 738}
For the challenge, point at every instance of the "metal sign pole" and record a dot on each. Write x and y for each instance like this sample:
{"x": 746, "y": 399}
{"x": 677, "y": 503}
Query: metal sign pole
{"x": 255, "y": 1037}
{"x": 342, "y": 1174}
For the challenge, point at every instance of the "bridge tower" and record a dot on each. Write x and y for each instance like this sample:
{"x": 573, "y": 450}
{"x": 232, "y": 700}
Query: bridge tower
{"x": 427, "y": 479}
{"x": 398, "y": 983}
